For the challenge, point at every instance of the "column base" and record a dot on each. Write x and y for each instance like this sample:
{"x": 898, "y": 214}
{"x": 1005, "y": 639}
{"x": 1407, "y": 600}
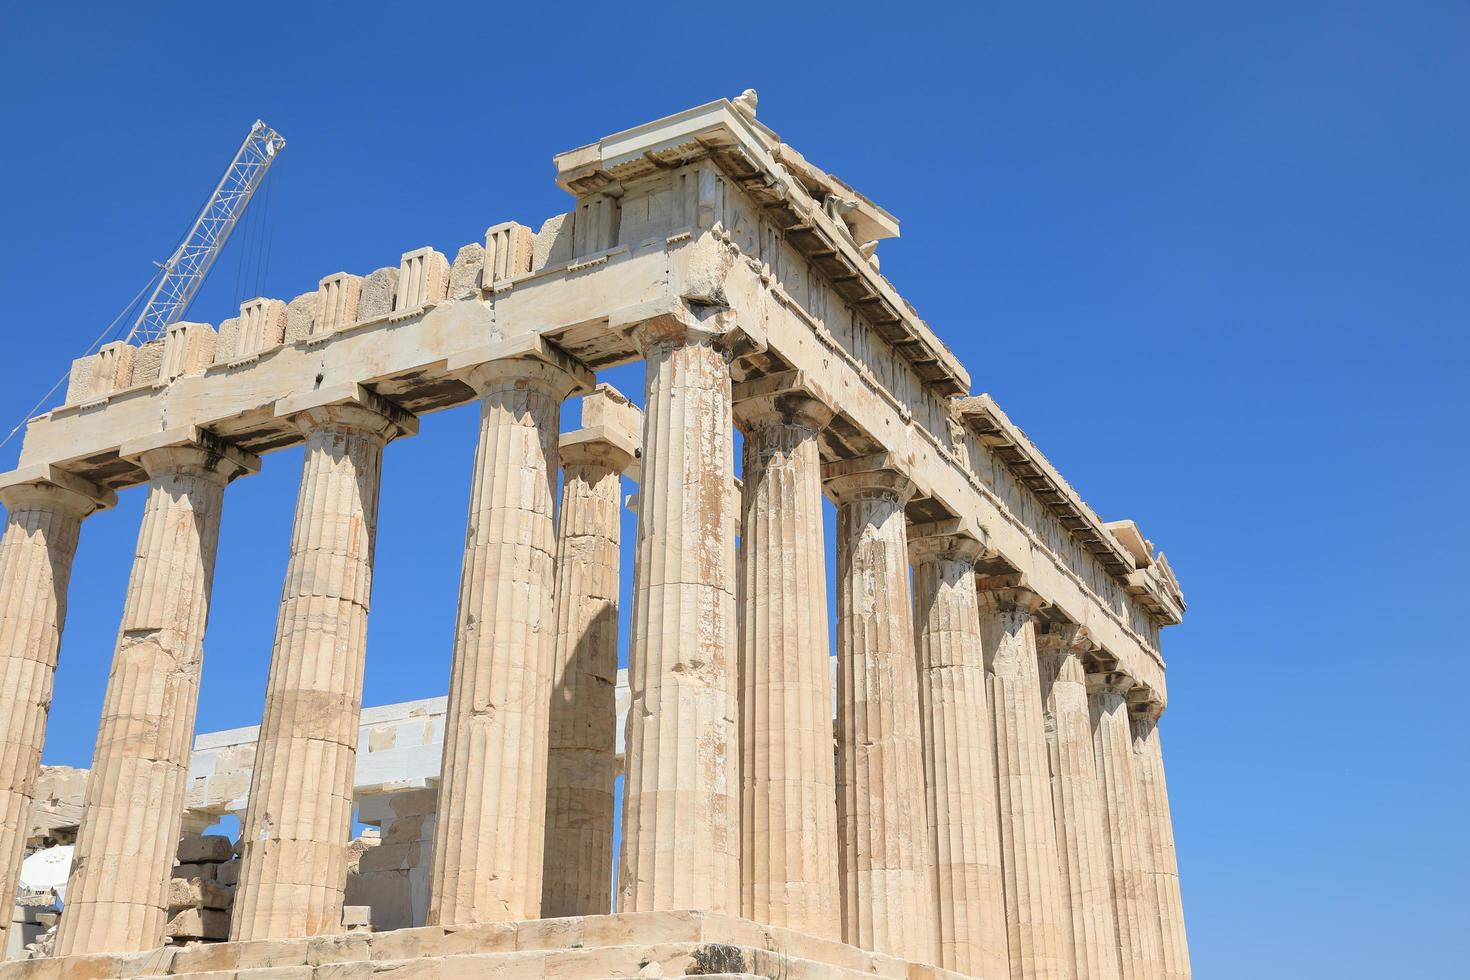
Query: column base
{"x": 646, "y": 944}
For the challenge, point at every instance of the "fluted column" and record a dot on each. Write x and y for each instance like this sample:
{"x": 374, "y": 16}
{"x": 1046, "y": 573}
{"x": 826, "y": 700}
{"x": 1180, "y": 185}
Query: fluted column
{"x": 1135, "y": 909}
{"x": 117, "y": 897}
{"x": 788, "y": 802}
{"x": 1158, "y": 838}
{"x": 681, "y": 812}
{"x": 1079, "y": 807}
{"x": 1034, "y": 914}
{"x": 43, "y": 521}
{"x": 884, "y": 861}
{"x": 582, "y": 761}
{"x": 959, "y": 756}
{"x": 299, "y": 818}
{"x": 490, "y": 828}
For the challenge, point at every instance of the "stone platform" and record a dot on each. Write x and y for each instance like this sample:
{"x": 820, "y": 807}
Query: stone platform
{"x": 646, "y": 944}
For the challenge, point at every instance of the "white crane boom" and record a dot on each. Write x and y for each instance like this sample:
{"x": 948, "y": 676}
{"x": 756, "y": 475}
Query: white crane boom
{"x": 184, "y": 272}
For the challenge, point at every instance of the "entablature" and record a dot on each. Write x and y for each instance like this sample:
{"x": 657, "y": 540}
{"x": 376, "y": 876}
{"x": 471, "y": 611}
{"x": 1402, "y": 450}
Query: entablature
{"x": 1116, "y": 545}
{"x": 831, "y": 232}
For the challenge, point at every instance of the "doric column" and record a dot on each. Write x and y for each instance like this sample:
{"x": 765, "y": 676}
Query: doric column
{"x": 959, "y": 753}
{"x": 299, "y": 819}
{"x": 1158, "y": 836}
{"x": 1135, "y": 910}
{"x": 788, "y": 802}
{"x": 681, "y": 812}
{"x": 117, "y": 897}
{"x": 43, "y": 520}
{"x": 1079, "y": 806}
{"x": 490, "y": 828}
{"x": 582, "y": 760}
{"x": 1034, "y": 915}
{"x": 887, "y": 890}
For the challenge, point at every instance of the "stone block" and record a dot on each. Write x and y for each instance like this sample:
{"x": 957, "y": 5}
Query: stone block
{"x": 301, "y": 315}
{"x": 403, "y": 944}
{"x": 338, "y": 948}
{"x": 205, "y": 849}
{"x": 344, "y": 971}
{"x": 386, "y": 857}
{"x": 188, "y": 348}
{"x": 198, "y": 924}
{"x": 228, "y": 344}
{"x": 484, "y": 937}
{"x": 261, "y": 953}
{"x": 357, "y": 915}
{"x": 407, "y": 830}
{"x": 148, "y": 363}
{"x": 199, "y": 893}
{"x": 338, "y": 298}
{"x": 414, "y": 802}
{"x": 102, "y": 373}
{"x": 277, "y": 973}
{"x": 228, "y": 873}
{"x": 509, "y": 251}
{"x": 464, "y": 276}
{"x": 553, "y": 243}
{"x": 423, "y": 278}
{"x": 262, "y": 326}
{"x": 378, "y": 294}
{"x": 595, "y": 228}
{"x": 195, "y": 871}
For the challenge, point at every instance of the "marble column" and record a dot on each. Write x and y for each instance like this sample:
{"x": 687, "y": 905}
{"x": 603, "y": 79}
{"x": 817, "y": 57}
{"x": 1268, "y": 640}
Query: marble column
{"x": 490, "y": 827}
{"x": 1135, "y": 910}
{"x": 884, "y": 861}
{"x": 43, "y": 522}
{"x": 1079, "y": 806}
{"x": 299, "y": 819}
{"x": 1158, "y": 837}
{"x": 959, "y": 755}
{"x": 788, "y": 801}
{"x": 117, "y": 896}
{"x": 582, "y": 761}
{"x": 681, "y": 811}
{"x": 1034, "y": 910}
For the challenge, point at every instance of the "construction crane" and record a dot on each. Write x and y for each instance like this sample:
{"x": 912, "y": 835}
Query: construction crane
{"x": 183, "y": 273}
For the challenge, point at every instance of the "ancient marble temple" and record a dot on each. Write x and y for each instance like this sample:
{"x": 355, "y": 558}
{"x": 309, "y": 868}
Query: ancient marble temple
{"x": 988, "y": 798}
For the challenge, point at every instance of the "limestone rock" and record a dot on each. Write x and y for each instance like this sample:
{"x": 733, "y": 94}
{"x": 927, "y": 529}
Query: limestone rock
{"x": 301, "y": 314}
{"x": 197, "y": 923}
{"x": 378, "y": 290}
{"x": 464, "y": 277}
{"x": 204, "y": 849}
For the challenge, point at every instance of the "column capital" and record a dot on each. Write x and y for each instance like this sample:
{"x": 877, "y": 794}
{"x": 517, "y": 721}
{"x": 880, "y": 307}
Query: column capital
{"x": 349, "y": 404}
{"x": 1065, "y": 638}
{"x": 530, "y": 358}
{"x": 678, "y": 322}
{"x": 593, "y": 447}
{"x": 190, "y": 448}
{"x": 46, "y": 485}
{"x": 957, "y": 539}
{"x": 1008, "y": 593}
{"x": 875, "y": 477}
{"x": 1114, "y": 682}
{"x": 1144, "y": 704}
{"x": 787, "y": 398}
{"x": 611, "y": 434}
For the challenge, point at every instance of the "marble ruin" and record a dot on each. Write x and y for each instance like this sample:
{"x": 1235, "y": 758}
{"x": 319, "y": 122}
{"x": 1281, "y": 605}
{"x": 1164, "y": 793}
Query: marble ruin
{"x": 988, "y": 798}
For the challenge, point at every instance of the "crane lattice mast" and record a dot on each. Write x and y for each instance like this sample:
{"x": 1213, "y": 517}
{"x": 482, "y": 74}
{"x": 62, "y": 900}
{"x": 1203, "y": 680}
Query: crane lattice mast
{"x": 184, "y": 272}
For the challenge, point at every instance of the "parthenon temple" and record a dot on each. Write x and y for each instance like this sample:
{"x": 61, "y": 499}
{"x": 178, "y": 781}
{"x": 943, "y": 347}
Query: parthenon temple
{"x": 974, "y": 785}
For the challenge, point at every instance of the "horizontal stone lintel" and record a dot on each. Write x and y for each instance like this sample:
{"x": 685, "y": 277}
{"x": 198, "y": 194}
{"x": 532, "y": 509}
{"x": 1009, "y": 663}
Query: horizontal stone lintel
{"x": 586, "y": 317}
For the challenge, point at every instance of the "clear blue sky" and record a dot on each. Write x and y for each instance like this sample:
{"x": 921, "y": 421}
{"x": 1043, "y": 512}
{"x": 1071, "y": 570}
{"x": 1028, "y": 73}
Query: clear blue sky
{"x": 1213, "y": 257}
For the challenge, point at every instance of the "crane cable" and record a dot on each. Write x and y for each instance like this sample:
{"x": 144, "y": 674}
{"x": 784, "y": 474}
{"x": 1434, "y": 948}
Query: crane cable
{"x": 112, "y": 328}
